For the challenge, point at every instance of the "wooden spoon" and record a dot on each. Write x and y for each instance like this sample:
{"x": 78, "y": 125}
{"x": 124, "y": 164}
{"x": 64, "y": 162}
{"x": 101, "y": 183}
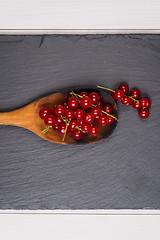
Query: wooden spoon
{"x": 28, "y": 117}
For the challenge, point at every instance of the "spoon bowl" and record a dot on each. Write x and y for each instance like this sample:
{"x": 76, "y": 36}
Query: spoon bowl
{"x": 28, "y": 117}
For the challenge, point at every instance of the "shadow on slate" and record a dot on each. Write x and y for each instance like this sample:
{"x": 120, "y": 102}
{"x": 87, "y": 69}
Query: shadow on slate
{"x": 120, "y": 172}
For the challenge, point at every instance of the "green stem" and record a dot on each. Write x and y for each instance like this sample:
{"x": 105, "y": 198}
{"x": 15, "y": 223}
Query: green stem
{"x": 46, "y": 129}
{"x": 65, "y": 132}
{"x": 106, "y": 88}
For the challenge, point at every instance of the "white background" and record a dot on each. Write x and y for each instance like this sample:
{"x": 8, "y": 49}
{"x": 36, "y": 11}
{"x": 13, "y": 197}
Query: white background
{"x": 78, "y": 16}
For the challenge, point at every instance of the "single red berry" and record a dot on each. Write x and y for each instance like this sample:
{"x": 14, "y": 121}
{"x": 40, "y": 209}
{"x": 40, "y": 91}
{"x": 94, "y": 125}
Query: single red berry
{"x": 108, "y": 108}
{"x": 80, "y": 121}
{"x": 62, "y": 129}
{"x": 94, "y": 130}
{"x": 85, "y": 127}
{"x": 100, "y": 104}
{"x": 55, "y": 126}
{"x": 145, "y": 102}
{"x": 65, "y": 105}
{"x": 50, "y": 120}
{"x": 143, "y": 113}
{"x": 59, "y": 110}
{"x": 96, "y": 111}
{"x": 114, "y": 96}
{"x": 136, "y": 105}
{"x": 73, "y": 103}
{"x": 77, "y": 134}
{"x": 79, "y": 114}
{"x": 89, "y": 117}
{"x": 85, "y": 102}
{"x": 69, "y": 97}
{"x": 94, "y": 97}
{"x": 119, "y": 94}
{"x": 69, "y": 114}
{"x": 59, "y": 120}
{"x": 124, "y": 88}
{"x": 73, "y": 125}
{"x": 103, "y": 120}
{"x": 135, "y": 93}
{"x": 44, "y": 112}
{"x": 84, "y": 94}
{"x": 110, "y": 120}
{"x": 127, "y": 100}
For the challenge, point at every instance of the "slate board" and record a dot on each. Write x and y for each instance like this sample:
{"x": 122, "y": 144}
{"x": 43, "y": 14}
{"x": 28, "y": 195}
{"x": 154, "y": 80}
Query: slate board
{"x": 121, "y": 172}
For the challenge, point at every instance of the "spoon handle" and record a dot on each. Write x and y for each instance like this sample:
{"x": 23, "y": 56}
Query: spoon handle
{"x": 22, "y": 117}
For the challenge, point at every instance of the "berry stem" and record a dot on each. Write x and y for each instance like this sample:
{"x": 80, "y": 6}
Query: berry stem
{"x": 106, "y": 88}
{"x": 46, "y": 129}
{"x": 110, "y": 115}
{"x": 65, "y": 132}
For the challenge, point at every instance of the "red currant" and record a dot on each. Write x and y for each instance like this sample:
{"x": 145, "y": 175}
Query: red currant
{"x": 50, "y": 120}
{"x": 77, "y": 134}
{"x": 145, "y": 102}
{"x": 119, "y": 94}
{"x": 94, "y": 130}
{"x": 55, "y": 126}
{"x": 73, "y": 125}
{"x": 69, "y": 96}
{"x": 110, "y": 120}
{"x": 108, "y": 108}
{"x": 59, "y": 120}
{"x": 73, "y": 103}
{"x": 84, "y": 94}
{"x": 103, "y": 119}
{"x": 69, "y": 114}
{"x": 62, "y": 129}
{"x": 114, "y": 96}
{"x": 143, "y": 113}
{"x": 96, "y": 111}
{"x": 79, "y": 114}
{"x": 59, "y": 110}
{"x": 85, "y": 127}
{"x": 94, "y": 97}
{"x": 44, "y": 112}
{"x": 80, "y": 122}
{"x": 124, "y": 88}
{"x": 135, "y": 93}
{"x": 65, "y": 105}
{"x": 89, "y": 118}
{"x": 127, "y": 100}
{"x": 100, "y": 104}
{"x": 136, "y": 105}
{"x": 86, "y": 102}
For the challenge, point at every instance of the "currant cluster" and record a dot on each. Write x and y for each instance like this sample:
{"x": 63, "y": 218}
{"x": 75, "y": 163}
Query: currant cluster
{"x": 132, "y": 99}
{"x": 78, "y": 115}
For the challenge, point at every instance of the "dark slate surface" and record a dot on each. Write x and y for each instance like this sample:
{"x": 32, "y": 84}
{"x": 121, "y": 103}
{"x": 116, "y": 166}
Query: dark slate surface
{"x": 121, "y": 172}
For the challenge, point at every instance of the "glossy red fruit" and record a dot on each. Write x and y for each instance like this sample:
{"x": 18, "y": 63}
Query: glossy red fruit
{"x": 100, "y": 104}
{"x": 119, "y": 94}
{"x": 50, "y": 120}
{"x": 108, "y": 108}
{"x": 59, "y": 110}
{"x": 73, "y": 125}
{"x": 136, "y": 105}
{"x": 65, "y": 104}
{"x": 44, "y": 112}
{"x": 94, "y": 130}
{"x": 145, "y": 102}
{"x": 85, "y": 127}
{"x": 55, "y": 126}
{"x": 79, "y": 114}
{"x": 80, "y": 122}
{"x": 69, "y": 97}
{"x": 69, "y": 114}
{"x": 103, "y": 120}
{"x": 89, "y": 118}
{"x": 73, "y": 103}
{"x": 94, "y": 97}
{"x": 59, "y": 120}
{"x": 77, "y": 134}
{"x": 110, "y": 120}
{"x": 114, "y": 96}
{"x": 135, "y": 93}
{"x": 84, "y": 94}
{"x": 96, "y": 111}
{"x": 143, "y": 113}
{"x": 85, "y": 102}
{"x": 124, "y": 88}
{"x": 62, "y": 128}
{"x": 127, "y": 100}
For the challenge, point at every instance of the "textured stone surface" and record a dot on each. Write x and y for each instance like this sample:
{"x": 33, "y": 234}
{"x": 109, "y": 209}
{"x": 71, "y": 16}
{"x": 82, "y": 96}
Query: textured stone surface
{"x": 121, "y": 172}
